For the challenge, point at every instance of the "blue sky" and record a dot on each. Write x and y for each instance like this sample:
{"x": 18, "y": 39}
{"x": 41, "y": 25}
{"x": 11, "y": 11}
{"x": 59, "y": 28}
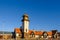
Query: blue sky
{"x": 43, "y": 14}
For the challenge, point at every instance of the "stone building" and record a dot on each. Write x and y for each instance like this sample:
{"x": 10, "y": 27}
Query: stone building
{"x": 25, "y": 32}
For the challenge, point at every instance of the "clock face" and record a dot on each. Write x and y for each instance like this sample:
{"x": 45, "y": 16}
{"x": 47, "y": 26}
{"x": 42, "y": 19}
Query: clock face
{"x": 26, "y": 18}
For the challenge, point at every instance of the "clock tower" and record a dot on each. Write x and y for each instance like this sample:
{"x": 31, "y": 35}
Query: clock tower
{"x": 25, "y": 23}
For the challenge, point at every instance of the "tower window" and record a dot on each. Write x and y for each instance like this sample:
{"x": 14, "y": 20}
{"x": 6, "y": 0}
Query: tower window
{"x": 26, "y": 30}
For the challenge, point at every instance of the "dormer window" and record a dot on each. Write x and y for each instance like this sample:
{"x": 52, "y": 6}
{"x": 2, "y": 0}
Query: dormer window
{"x": 32, "y": 34}
{"x": 45, "y": 34}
